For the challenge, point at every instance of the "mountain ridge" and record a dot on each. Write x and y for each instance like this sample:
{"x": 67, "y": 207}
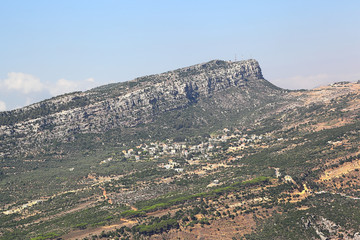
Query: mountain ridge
{"x": 140, "y": 79}
{"x": 130, "y": 103}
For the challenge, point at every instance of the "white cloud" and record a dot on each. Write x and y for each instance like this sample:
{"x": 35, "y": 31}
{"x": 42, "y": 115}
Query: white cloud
{"x": 90, "y": 80}
{"x": 21, "y": 88}
{"x": 22, "y": 82}
{"x": 65, "y": 86}
{"x": 2, "y": 106}
{"x": 28, "y": 84}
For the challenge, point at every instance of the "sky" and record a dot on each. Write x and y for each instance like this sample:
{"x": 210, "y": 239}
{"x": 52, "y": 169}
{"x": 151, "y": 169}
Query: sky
{"x": 49, "y": 48}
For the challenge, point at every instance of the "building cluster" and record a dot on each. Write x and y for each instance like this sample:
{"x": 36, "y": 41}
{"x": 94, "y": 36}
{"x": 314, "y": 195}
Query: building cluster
{"x": 227, "y": 140}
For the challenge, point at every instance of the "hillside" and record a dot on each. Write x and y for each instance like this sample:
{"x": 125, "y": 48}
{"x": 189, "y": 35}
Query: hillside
{"x": 211, "y": 151}
{"x": 235, "y": 86}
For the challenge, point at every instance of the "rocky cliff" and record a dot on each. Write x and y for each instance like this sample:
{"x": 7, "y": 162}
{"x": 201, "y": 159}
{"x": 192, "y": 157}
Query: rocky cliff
{"x": 130, "y": 103}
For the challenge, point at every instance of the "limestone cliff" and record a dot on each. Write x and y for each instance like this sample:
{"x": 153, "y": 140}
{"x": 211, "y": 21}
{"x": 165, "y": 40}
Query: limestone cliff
{"x": 130, "y": 103}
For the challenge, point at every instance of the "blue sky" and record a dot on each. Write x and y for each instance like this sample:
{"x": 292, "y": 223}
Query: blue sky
{"x": 52, "y": 47}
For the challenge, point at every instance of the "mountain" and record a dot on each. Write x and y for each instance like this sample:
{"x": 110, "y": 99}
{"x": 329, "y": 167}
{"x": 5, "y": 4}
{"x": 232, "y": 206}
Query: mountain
{"x": 210, "y": 151}
{"x": 234, "y": 86}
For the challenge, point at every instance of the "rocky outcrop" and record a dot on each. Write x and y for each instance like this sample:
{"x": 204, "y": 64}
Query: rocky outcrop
{"x": 130, "y": 103}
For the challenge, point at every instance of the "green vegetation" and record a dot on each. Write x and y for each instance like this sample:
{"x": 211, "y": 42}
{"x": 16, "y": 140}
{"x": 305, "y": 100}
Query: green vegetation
{"x": 50, "y": 235}
{"x": 157, "y": 228}
{"x": 183, "y": 199}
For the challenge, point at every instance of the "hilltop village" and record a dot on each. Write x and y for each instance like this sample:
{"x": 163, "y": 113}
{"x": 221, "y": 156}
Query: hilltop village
{"x": 176, "y": 155}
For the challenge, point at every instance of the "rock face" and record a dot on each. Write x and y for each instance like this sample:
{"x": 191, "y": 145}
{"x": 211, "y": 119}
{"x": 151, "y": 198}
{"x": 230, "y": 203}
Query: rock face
{"x": 130, "y": 103}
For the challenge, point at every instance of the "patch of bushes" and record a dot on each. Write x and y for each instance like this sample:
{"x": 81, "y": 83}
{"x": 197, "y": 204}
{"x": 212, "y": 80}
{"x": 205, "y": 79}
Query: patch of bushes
{"x": 157, "y": 228}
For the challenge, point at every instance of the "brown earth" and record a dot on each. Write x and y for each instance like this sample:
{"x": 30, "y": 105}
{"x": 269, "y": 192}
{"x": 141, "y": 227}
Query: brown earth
{"x": 80, "y": 234}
